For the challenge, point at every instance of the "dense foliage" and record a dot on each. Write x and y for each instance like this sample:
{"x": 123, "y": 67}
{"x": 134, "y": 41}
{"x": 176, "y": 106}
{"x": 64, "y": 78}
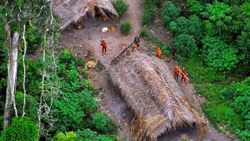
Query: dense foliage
{"x": 149, "y": 13}
{"x": 21, "y": 129}
{"x": 68, "y": 107}
{"x": 239, "y": 95}
{"x": 121, "y": 7}
{"x": 75, "y": 110}
{"x": 219, "y": 29}
{"x": 185, "y": 45}
{"x": 125, "y": 28}
{"x": 150, "y": 10}
{"x": 144, "y": 32}
{"x": 218, "y": 55}
{"x": 170, "y": 12}
{"x": 165, "y": 49}
{"x": 215, "y": 34}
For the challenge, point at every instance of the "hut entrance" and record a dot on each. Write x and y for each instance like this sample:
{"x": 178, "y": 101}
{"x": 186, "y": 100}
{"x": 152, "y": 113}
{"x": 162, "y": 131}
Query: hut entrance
{"x": 74, "y": 11}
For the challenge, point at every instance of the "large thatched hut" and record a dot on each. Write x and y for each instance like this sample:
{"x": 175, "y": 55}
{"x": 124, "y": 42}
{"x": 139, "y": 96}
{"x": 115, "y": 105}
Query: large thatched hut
{"x": 70, "y": 11}
{"x": 149, "y": 89}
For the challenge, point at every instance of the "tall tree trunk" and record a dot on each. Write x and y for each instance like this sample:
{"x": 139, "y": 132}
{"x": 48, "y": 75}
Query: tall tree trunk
{"x": 12, "y": 74}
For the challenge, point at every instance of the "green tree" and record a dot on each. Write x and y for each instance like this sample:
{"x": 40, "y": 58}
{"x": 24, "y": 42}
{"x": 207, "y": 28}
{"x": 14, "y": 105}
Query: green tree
{"x": 195, "y": 27}
{"x": 180, "y": 25}
{"x": 31, "y": 108}
{"x": 219, "y": 14}
{"x": 238, "y": 94}
{"x": 121, "y": 7}
{"x": 125, "y": 28}
{"x": 149, "y": 13}
{"x": 185, "y": 45}
{"x": 195, "y": 7}
{"x": 101, "y": 123}
{"x": 21, "y": 129}
{"x": 218, "y": 55}
{"x": 169, "y": 13}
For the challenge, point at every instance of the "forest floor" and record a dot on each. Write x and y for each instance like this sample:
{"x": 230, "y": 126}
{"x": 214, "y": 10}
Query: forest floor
{"x": 87, "y": 41}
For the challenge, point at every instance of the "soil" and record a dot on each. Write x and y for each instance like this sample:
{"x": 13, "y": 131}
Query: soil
{"x": 86, "y": 42}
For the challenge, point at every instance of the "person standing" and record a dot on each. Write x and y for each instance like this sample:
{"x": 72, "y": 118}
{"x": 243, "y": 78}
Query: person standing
{"x": 137, "y": 41}
{"x": 184, "y": 76}
{"x": 158, "y": 52}
{"x": 176, "y": 72}
{"x": 104, "y": 47}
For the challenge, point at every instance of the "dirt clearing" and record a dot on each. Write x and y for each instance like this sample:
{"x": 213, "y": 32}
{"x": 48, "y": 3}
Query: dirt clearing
{"x": 87, "y": 41}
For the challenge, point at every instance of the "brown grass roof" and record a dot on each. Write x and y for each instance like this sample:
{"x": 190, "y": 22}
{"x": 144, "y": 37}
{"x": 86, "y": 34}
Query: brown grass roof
{"x": 148, "y": 87}
{"x": 70, "y": 11}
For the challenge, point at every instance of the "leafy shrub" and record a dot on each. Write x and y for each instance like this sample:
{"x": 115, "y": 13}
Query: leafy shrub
{"x": 195, "y": 27}
{"x": 33, "y": 73}
{"x": 125, "y": 28}
{"x": 121, "y": 7}
{"x": 101, "y": 123}
{"x": 144, "y": 32}
{"x": 149, "y": 13}
{"x": 71, "y": 109}
{"x": 195, "y": 7}
{"x": 243, "y": 42}
{"x": 185, "y": 45}
{"x": 218, "y": 55}
{"x": 165, "y": 50}
{"x": 170, "y": 12}
{"x": 66, "y": 57}
{"x": 191, "y": 26}
{"x": 209, "y": 28}
{"x": 178, "y": 26}
{"x": 34, "y": 39}
{"x": 239, "y": 94}
{"x": 31, "y": 105}
{"x": 221, "y": 114}
{"x": 68, "y": 136}
{"x": 219, "y": 14}
{"x": 218, "y": 11}
{"x": 21, "y": 129}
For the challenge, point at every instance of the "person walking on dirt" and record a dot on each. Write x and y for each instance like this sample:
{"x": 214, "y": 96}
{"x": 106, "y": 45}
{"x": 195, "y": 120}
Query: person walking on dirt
{"x": 137, "y": 41}
{"x": 176, "y": 71}
{"x": 104, "y": 47}
{"x": 158, "y": 52}
{"x": 184, "y": 76}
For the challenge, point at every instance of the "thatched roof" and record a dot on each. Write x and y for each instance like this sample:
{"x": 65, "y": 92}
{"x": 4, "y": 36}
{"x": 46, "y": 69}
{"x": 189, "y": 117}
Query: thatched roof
{"x": 70, "y": 11}
{"x": 148, "y": 87}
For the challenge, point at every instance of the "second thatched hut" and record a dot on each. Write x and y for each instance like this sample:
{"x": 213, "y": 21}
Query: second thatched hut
{"x": 149, "y": 89}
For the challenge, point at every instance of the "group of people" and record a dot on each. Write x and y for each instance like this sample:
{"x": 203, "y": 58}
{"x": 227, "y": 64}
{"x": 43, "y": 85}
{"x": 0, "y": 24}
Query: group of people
{"x": 180, "y": 71}
{"x": 176, "y": 71}
{"x": 135, "y": 45}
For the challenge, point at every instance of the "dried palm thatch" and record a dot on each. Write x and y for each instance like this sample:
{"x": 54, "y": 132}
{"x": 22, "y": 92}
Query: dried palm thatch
{"x": 70, "y": 11}
{"x": 148, "y": 87}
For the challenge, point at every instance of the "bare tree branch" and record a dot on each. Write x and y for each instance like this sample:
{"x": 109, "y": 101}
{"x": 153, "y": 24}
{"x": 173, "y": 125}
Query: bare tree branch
{"x": 24, "y": 69}
{"x": 43, "y": 79}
